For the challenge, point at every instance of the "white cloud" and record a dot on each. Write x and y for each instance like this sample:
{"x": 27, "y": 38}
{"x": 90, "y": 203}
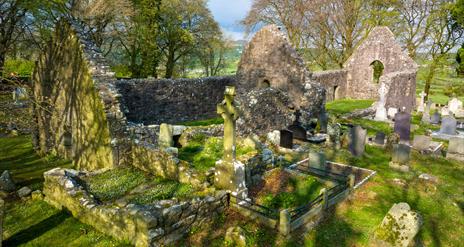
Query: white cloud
{"x": 228, "y": 13}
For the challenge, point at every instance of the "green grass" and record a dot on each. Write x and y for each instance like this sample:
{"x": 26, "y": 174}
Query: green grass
{"x": 164, "y": 189}
{"x": 301, "y": 191}
{"x": 35, "y": 223}
{"x": 203, "y": 152}
{"x": 26, "y": 167}
{"x": 205, "y": 122}
{"x": 115, "y": 183}
{"x": 344, "y": 106}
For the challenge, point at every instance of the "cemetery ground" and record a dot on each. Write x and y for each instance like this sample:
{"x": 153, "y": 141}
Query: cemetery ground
{"x": 351, "y": 223}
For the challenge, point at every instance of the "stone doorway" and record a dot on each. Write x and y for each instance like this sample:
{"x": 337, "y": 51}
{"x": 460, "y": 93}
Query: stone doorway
{"x": 336, "y": 94}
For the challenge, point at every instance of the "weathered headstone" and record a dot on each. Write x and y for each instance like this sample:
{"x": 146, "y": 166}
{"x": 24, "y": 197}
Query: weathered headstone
{"x": 6, "y": 183}
{"x": 334, "y": 132}
{"x": 426, "y": 115}
{"x": 323, "y": 121}
{"x": 298, "y": 131}
{"x": 286, "y": 139}
{"x": 403, "y": 125}
{"x": 421, "y": 105}
{"x": 454, "y": 105}
{"x": 381, "y": 111}
{"x": 166, "y": 136}
{"x": 448, "y": 125}
{"x": 421, "y": 142}
{"x": 230, "y": 173}
{"x": 357, "y": 140}
{"x": 399, "y": 227}
{"x": 392, "y": 112}
{"x": 380, "y": 138}
{"x": 445, "y": 111}
{"x": 436, "y": 118}
{"x": 400, "y": 157}
{"x": 317, "y": 160}
{"x": 456, "y": 149}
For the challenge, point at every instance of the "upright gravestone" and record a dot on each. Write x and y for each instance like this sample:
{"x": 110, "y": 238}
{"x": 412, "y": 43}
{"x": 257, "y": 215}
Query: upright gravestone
{"x": 286, "y": 139}
{"x": 298, "y": 131}
{"x": 421, "y": 142}
{"x": 323, "y": 121}
{"x": 166, "y": 136}
{"x": 445, "y": 111}
{"x": 448, "y": 126}
{"x": 230, "y": 173}
{"x": 317, "y": 160}
{"x": 400, "y": 157}
{"x": 426, "y": 116}
{"x": 381, "y": 111}
{"x": 392, "y": 112}
{"x": 456, "y": 149}
{"x": 454, "y": 105}
{"x": 357, "y": 141}
{"x": 421, "y": 105}
{"x": 436, "y": 118}
{"x": 380, "y": 138}
{"x": 334, "y": 132}
{"x": 403, "y": 125}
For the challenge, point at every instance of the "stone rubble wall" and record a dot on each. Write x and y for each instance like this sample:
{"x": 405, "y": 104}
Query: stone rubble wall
{"x": 334, "y": 82}
{"x": 156, "y": 101}
{"x": 160, "y": 224}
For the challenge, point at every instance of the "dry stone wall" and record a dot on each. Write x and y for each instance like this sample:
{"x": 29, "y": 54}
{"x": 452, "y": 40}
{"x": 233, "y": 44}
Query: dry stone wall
{"x": 152, "y": 101}
{"x": 334, "y": 82}
{"x": 159, "y": 224}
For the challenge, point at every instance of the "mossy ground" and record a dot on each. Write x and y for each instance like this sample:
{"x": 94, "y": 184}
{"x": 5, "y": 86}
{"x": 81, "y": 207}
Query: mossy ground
{"x": 282, "y": 190}
{"x": 203, "y": 152}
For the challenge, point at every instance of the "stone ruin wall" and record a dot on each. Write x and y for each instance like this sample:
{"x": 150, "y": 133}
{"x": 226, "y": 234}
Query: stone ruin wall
{"x": 159, "y": 224}
{"x": 70, "y": 106}
{"x": 380, "y": 45}
{"x": 153, "y": 101}
{"x": 402, "y": 91}
{"x": 334, "y": 82}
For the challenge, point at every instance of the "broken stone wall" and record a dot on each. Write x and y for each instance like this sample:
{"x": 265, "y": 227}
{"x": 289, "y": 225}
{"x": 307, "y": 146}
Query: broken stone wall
{"x": 152, "y": 101}
{"x": 71, "y": 119}
{"x": 402, "y": 89}
{"x": 159, "y": 224}
{"x": 334, "y": 82}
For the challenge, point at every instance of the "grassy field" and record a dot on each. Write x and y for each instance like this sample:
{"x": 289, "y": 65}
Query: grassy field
{"x": 35, "y": 223}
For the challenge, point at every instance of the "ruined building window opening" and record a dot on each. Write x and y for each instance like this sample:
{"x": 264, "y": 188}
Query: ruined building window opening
{"x": 265, "y": 84}
{"x": 377, "y": 68}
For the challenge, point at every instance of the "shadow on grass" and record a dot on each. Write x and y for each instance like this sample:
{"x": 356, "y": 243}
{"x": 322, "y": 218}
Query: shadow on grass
{"x": 36, "y": 230}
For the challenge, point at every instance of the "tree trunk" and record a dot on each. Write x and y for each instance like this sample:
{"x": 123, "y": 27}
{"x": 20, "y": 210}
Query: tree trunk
{"x": 430, "y": 76}
{"x": 170, "y": 63}
{"x": 2, "y": 64}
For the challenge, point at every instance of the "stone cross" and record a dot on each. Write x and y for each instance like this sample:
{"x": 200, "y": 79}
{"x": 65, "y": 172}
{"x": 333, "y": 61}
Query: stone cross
{"x": 229, "y": 113}
{"x": 422, "y": 103}
{"x": 381, "y": 111}
{"x": 230, "y": 173}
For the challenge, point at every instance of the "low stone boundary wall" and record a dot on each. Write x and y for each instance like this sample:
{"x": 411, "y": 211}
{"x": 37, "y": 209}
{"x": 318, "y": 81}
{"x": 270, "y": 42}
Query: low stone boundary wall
{"x": 158, "y": 224}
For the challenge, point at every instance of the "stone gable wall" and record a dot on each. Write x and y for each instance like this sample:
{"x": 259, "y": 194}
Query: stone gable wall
{"x": 71, "y": 105}
{"x": 152, "y": 101}
{"x": 379, "y": 45}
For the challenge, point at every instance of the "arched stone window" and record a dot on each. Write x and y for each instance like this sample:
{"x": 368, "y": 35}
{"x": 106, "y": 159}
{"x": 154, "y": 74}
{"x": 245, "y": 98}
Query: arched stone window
{"x": 377, "y": 68}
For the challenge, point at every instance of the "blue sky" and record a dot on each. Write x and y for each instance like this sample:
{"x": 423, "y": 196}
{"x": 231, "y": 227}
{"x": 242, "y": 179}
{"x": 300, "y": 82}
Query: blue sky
{"x": 228, "y": 13}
